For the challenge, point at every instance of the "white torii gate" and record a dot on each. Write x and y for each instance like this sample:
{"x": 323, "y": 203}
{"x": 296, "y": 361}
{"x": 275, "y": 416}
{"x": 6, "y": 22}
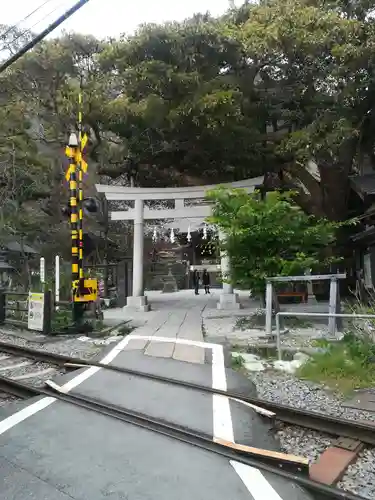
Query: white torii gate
{"x": 140, "y": 213}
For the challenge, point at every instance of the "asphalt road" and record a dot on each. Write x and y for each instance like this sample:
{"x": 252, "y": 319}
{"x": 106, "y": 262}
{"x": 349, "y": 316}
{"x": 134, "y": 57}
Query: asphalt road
{"x": 64, "y": 452}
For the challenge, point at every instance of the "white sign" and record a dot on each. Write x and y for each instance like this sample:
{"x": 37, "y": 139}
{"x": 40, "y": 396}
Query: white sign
{"x": 35, "y": 318}
{"x": 42, "y": 270}
{"x": 211, "y": 268}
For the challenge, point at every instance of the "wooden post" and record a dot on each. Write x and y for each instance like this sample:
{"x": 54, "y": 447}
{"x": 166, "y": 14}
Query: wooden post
{"x": 47, "y": 319}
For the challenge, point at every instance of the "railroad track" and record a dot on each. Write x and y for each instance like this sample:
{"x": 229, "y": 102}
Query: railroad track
{"x": 285, "y": 467}
{"x": 34, "y": 370}
{"x": 351, "y": 434}
{"x": 356, "y": 430}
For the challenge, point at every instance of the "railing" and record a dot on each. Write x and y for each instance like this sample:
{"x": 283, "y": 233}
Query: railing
{"x": 312, "y": 315}
{"x": 334, "y": 299}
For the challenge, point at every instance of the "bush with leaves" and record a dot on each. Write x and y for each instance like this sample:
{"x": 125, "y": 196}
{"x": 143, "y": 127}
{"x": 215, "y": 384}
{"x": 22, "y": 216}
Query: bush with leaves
{"x": 269, "y": 237}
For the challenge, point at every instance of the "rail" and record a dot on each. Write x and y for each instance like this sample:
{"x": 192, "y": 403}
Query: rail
{"x": 311, "y": 315}
{"x": 289, "y": 467}
{"x": 360, "y": 431}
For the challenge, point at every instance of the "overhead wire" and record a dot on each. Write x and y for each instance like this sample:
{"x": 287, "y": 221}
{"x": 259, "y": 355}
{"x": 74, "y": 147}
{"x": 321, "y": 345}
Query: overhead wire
{"x": 6, "y": 46}
{"x": 38, "y": 38}
{"x": 3, "y": 35}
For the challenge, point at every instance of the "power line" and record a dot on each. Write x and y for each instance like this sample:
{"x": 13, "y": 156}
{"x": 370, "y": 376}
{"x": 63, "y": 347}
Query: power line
{"x": 11, "y": 28}
{"x": 28, "y": 30}
{"x": 42, "y": 35}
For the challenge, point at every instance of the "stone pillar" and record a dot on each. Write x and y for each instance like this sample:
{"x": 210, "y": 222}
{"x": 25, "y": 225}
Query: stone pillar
{"x": 228, "y": 299}
{"x": 138, "y": 299}
{"x": 311, "y": 299}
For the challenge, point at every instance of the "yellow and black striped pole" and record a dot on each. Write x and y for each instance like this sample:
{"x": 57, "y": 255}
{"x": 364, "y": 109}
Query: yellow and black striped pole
{"x": 80, "y": 196}
{"x": 72, "y": 153}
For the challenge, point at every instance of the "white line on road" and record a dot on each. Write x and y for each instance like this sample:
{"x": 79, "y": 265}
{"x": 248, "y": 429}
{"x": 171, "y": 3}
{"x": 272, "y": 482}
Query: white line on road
{"x": 21, "y": 415}
{"x": 253, "y": 479}
{"x": 154, "y": 338}
{"x": 255, "y": 482}
{"x": 222, "y": 418}
{"x": 39, "y": 405}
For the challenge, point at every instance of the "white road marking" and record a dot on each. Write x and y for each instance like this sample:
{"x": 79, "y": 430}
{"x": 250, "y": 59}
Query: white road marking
{"x": 154, "y": 338}
{"x": 27, "y": 412}
{"x": 255, "y": 482}
{"x": 253, "y": 479}
{"x": 222, "y": 418}
{"x": 39, "y": 405}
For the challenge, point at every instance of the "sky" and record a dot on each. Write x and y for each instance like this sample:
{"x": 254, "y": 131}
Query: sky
{"x": 104, "y": 18}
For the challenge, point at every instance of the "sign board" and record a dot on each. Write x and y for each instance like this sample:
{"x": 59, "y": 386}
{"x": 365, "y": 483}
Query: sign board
{"x": 90, "y": 291}
{"x": 35, "y": 317}
{"x": 211, "y": 268}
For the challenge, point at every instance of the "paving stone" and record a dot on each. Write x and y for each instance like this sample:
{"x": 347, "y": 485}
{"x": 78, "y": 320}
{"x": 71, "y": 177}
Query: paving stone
{"x": 189, "y": 353}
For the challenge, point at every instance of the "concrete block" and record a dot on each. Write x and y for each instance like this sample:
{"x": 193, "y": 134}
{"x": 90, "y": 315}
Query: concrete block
{"x": 229, "y": 301}
{"x": 137, "y": 303}
{"x": 332, "y": 465}
{"x": 189, "y": 353}
{"x": 160, "y": 349}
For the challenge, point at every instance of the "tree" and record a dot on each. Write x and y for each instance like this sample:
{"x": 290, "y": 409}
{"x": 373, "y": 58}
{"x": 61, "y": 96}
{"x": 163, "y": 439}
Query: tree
{"x": 268, "y": 237}
{"x": 178, "y": 109}
{"x": 315, "y": 67}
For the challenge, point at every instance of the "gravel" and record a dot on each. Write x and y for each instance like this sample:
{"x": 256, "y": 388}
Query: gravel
{"x": 80, "y": 347}
{"x": 284, "y": 388}
{"x": 360, "y": 476}
{"x": 281, "y": 387}
{"x": 303, "y": 442}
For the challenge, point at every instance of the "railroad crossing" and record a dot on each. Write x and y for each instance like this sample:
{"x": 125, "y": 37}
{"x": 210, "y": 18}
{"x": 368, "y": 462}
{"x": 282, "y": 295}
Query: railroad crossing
{"x": 58, "y": 451}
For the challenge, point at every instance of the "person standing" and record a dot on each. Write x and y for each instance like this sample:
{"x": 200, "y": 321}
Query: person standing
{"x": 206, "y": 281}
{"x": 196, "y": 281}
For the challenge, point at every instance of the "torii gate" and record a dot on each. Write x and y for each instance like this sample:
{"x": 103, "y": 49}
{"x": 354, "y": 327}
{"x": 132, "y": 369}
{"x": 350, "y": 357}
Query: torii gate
{"x": 140, "y": 213}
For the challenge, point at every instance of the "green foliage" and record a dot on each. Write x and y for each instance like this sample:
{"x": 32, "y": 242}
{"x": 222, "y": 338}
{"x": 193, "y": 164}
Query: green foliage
{"x": 238, "y": 362}
{"x": 345, "y": 365}
{"x": 264, "y": 88}
{"x": 269, "y": 237}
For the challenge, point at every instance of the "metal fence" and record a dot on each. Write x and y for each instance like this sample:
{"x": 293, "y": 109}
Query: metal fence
{"x": 312, "y": 315}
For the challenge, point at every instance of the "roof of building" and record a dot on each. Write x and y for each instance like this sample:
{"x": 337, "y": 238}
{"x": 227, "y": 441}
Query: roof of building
{"x": 363, "y": 185}
{"x": 14, "y": 246}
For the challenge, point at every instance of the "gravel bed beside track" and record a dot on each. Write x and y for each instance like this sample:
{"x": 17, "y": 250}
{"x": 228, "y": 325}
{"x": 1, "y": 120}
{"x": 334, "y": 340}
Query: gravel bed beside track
{"x": 360, "y": 476}
{"x": 71, "y": 346}
{"x": 286, "y": 389}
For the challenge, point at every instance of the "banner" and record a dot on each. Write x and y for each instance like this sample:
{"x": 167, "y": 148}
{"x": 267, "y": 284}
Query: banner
{"x": 35, "y": 317}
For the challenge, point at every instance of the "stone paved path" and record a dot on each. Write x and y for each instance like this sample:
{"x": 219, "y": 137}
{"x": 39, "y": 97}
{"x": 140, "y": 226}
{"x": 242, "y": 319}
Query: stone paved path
{"x": 176, "y": 316}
